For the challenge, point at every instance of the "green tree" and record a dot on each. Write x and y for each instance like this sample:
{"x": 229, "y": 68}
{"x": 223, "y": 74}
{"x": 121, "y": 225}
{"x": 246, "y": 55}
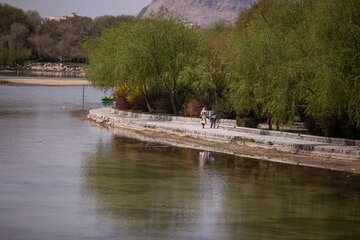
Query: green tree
{"x": 151, "y": 53}
{"x": 172, "y": 47}
{"x": 335, "y": 61}
{"x": 10, "y": 15}
{"x": 206, "y": 80}
{"x": 106, "y": 57}
{"x": 3, "y": 54}
{"x": 264, "y": 59}
{"x": 13, "y": 35}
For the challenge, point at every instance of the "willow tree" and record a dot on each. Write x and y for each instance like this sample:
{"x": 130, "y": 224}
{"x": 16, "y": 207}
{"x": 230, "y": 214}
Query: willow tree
{"x": 207, "y": 79}
{"x": 335, "y": 60}
{"x": 106, "y": 57}
{"x": 172, "y": 46}
{"x": 151, "y": 52}
{"x": 116, "y": 59}
{"x": 264, "y": 58}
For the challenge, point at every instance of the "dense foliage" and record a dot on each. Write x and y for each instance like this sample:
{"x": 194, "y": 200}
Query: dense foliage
{"x": 284, "y": 61}
{"x": 27, "y": 36}
{"x": 293, "y": 59}
{"x": 149, "y": 54}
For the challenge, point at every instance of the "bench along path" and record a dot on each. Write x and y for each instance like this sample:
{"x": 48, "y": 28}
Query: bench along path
{"x": 228, "y": 132}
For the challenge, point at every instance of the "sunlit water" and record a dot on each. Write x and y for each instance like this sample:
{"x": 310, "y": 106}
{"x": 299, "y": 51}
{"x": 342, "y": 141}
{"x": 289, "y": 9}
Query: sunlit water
{"x": 62, "y": 178}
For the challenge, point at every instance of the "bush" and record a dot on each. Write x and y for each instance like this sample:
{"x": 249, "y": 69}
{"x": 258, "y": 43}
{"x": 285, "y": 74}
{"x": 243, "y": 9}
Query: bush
{"x": 332, "y": 127}
{"x": 247, "y": 122}
{"x": 161, "y": 104}
{"x": 247, "y": 118}
{"x": 120, "y": 98}
{"x": 193, "y": 107}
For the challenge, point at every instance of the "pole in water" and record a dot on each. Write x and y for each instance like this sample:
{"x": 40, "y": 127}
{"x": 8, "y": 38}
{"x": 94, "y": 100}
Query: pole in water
{"x": 83, "y": 97}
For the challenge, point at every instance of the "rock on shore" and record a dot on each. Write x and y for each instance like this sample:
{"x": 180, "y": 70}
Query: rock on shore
{"x": 56, "y": 67}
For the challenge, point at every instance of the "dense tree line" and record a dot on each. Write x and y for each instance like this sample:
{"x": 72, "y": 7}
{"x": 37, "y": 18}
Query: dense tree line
{"x": 293, "y": 59}
{"x": 26, "y": 36}
{"x": 284, "y": 61}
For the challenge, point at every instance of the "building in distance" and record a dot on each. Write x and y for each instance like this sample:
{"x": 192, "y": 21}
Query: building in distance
{"x": 60, "y": 18}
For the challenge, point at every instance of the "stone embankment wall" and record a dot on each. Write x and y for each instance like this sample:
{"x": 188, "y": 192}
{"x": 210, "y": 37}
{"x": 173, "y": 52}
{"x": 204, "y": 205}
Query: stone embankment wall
{"x": 246, "y": 142}
{"x": 229, "y": 123}
{"x": 158, "y": 117}
{"x": 336, "y": 141}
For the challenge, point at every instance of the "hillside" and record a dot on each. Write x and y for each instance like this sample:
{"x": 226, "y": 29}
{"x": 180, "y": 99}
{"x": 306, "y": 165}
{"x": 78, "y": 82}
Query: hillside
{"x": 201, "y": 12}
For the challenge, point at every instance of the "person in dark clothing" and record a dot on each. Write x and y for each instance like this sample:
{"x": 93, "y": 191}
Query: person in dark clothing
{"x": 212, "y": 116}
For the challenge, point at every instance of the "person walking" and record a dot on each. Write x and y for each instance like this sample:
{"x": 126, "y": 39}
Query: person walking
{"x": 203, "y": 115}
{"x": 212, "y": 117}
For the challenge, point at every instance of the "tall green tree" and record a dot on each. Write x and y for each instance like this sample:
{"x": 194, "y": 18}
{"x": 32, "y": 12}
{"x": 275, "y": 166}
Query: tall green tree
{"x": 172, "y": 47}
{"x": 106, "y": 57}
{"x": 10, "y": 15}
{"x": 207, "y": 80}
{"x": 151, "y": 53}
{"x": 335, "y": 60}
{"x": 264, "y": 60}
{"x": 13, "y": 35}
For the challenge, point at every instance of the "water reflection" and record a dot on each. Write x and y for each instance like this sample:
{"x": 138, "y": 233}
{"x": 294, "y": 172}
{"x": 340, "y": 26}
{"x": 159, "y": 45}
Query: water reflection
{"x": 144, "y": 193}
{"x": 155, "y": 191}
{"x": 213, "y": 187}
{"x": 61, "y": 178}
{"x": 42, "y": 140}
{"x": 205, "y": 157}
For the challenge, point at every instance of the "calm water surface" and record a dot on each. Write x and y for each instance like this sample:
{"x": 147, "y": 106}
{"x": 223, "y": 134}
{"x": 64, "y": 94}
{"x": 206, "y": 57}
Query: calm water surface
{"x": 62, "y": 178}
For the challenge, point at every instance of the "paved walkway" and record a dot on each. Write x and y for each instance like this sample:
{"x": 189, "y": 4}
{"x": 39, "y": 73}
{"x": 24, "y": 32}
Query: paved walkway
{"x": 230, "y": 133}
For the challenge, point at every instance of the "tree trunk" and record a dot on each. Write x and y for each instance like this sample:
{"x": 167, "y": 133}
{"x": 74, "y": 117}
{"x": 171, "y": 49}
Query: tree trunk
{"x": 146, "y": 99}
{"x": 148, "y": 104}
{"x": 269, "y": 123}
{"x": 173, "y": 101}
{"x": 172, "y": 89}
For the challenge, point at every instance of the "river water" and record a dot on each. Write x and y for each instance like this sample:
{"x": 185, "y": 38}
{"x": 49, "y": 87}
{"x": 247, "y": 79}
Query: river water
{"x": 62, "y": 178}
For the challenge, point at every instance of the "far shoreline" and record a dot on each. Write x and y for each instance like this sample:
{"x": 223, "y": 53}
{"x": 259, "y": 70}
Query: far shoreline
{"x": 45, "y": 81}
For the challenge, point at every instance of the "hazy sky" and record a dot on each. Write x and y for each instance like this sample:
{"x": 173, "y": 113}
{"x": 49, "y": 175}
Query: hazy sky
{"x": 91, "y": 8}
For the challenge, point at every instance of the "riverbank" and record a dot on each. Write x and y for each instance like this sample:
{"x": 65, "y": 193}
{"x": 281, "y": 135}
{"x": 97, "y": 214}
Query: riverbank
{"x": 341, "y": 155}
{"x": 69, "y": 68}
{"x": 47, "y": 81}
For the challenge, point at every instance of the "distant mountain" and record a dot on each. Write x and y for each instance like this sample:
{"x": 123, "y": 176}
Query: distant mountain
{"x": 202, "y": 12}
